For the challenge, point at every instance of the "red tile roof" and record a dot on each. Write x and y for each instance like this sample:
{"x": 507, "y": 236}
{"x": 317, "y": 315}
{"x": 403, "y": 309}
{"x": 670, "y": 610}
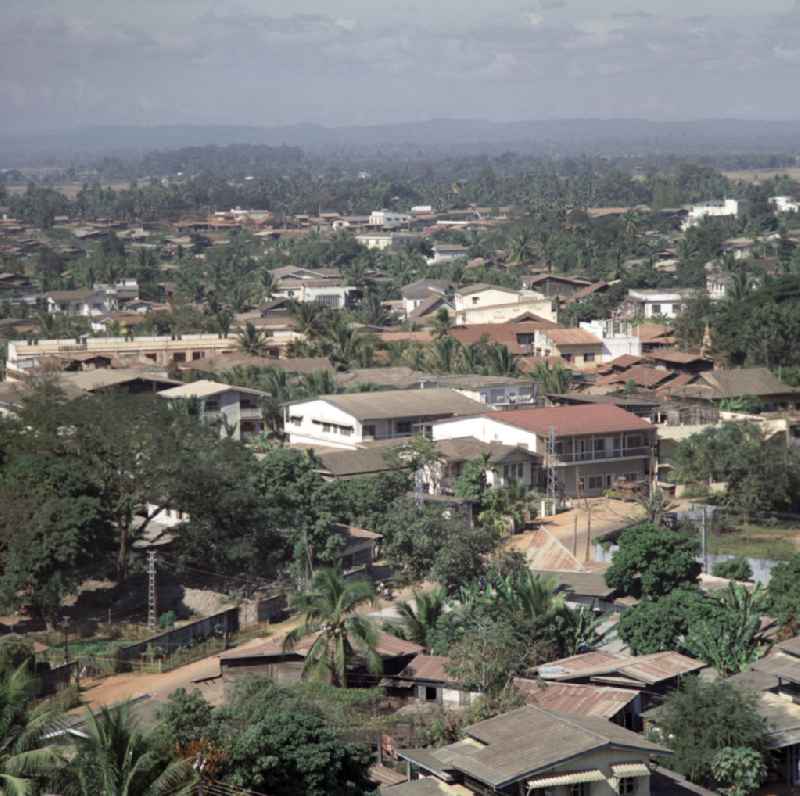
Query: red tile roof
{"x": 593, "y": 419}
{"x": 676, "y": 357}
{"x": 502, "y": 333}
{"x": 562, "y": 337}
{"x": 641, "y": 375}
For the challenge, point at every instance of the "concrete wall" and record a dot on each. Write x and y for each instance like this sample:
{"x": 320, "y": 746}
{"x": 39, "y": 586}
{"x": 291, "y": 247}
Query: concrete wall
{"x": 506, "y": 312}
{"x": 613, "y": 469}
{"x": 487, "y": 430}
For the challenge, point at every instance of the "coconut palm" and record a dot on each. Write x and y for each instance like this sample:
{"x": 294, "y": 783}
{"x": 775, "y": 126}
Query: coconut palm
{"x": 577, "y": 630}
{"x": 527, "y": 596}
{"x": 318, "y": 382}
{"x": 252, "y": 341}
{"x": 444, "y": 354}
{"x": 23, "y": 727}
{"x": 418, "y": 621}
{"x": 500, "y": 361}
{"x": 114, "y": 758}
{"x": 552, "y": 378}
{"x": 329, "y": 611}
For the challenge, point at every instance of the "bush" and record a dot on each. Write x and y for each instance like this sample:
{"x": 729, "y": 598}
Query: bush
{"x": 14, "y": 651}
{"x": 734, "y": 569}
{"x": 166, "y": 620}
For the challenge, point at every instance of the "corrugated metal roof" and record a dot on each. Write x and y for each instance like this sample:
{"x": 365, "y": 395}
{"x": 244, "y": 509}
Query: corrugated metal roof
{"x": 575, "y": 778}
{"x": 546, "y": 553}
{"x": 561, "y": 337}
{"x": 204, "y": 389}
{"x": 391, "y": 404}
{"x": 575, "y": 699}
{"x": 568, "y": 420}
{"x": 648, "y": 669}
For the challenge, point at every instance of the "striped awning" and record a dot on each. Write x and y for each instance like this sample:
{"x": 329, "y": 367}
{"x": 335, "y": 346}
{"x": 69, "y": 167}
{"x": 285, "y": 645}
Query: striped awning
{"x": 575, "y": 778}
{"x": 630, "y": 770}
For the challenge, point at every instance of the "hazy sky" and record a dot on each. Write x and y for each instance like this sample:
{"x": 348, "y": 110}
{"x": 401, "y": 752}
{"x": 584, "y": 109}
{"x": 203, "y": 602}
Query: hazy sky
{"x": 68, "y": 63}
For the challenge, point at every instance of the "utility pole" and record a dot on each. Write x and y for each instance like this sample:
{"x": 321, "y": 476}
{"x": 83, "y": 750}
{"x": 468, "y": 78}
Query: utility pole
{"x": 65, "y": 626}
{"x": 152, "y": 604}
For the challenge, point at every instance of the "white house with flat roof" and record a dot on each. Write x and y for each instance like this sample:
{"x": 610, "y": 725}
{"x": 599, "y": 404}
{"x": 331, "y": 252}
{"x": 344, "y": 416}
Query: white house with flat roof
{"x": 388, "y": 219}
{"x": 726, "y": 207}
{"x": 656, "y": 303}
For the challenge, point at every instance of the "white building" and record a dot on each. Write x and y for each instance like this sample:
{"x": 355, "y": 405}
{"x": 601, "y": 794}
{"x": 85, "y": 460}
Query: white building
{"x": 656, "y": 303}
{"x": 421, "y": 209}
{"x": 348, "y": 421}
{"x": 446, "y": 252}
{"x": 727, "y": 207}
{"x": 785, "y": 204}
{"x": 319, "y": 291}
{"x": 388, "y": 219}
{"x": 236, "y": 411}
{"x": 481, "y": 303}
{"x": 87, "y": 302}
{"x": 618, "y": 338}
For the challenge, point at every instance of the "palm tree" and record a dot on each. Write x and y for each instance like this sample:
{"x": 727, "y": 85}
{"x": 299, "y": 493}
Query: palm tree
{"x": 554, "y": 379}
{"x": 115, "y": 759}
{"x": 252, "y": 341}
{"x": 442, "y": 323}
{"x": 418, "y": 621}
{"x": 309, "y": 319}
{"x": 329, "y": 610}
{"x": 318, "y": 382}
{"x": 521, "y": 245}
{"x": 501, "y": 361}
{"x": 23, "y": 726}
{"x": 528, "y": 596}
{"x": 577, "y": 630}
{"x": 444, "y": 355}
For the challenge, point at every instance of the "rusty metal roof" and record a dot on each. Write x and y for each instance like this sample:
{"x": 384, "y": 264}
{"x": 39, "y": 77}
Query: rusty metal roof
{"x": 647, "y": 669}
{"x": 566, "y": 420}
{"x": 427, "y": 667}
{"x": 575, "y": 699}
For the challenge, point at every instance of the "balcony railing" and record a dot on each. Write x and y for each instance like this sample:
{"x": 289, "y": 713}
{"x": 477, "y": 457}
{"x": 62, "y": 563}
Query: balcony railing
{"x": 601, "y": 455}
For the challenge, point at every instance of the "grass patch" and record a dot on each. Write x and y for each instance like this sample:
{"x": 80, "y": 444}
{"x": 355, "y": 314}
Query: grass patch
{"x": 755, "y": 541}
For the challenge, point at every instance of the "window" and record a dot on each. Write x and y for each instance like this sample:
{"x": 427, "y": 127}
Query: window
{"x": 431, "y": 694}
{"x": 635, "y": 441}
{"x": 151, "y": 357}
{"x": 595, "y": 482}
{"x": 346, "y": 431}
{"x": 198, "y": 355}
{"x": 247, "y": 403}
{"x": 475, "y": 299}
{"x": 326, "y": 428}
{"x": 369, "y": 431}
{"x": 581, "y": 789}
{"x": 403, "y": 426}
{"x": 609, "y": 479}
{"x": 180, "y": 356}
{"x": 296, "y": 420}
{"x": 588, "y": 357}
{"x": 627, "y": 786}
{"x": 655, "y": 309}
{"x": 566, "y": 357}
{"x": 211, "y": 405}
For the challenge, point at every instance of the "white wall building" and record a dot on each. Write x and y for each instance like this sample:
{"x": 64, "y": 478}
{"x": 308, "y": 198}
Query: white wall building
{"x": 446, "y": 252}
{"x": 388, "y": 219}
{"x": 347, "y": 421}
{"x": 618, "y": 338}
{"x": 655, "y": 303}
{"x": 87, "y": 303}
{"x": 727, "y": 207}
{"x": 236, "y": 411}
{"x": 482, "y": 303}
{"x": 785, "y": 204}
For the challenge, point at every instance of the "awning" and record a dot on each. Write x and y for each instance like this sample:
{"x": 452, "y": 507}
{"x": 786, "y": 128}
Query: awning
{"x": 630, "y": 770}
{"x": 576, "y": 778}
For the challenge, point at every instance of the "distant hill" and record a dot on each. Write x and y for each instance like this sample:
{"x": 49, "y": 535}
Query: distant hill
{"x": 566, "y": 137}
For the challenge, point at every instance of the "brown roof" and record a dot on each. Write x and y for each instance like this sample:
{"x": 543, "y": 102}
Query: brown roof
{"x": 527, "y": 741}
{"x": 647, "y": 669}
{"x": 648, "y": 331}
{"x": 502, "y": 333}
{"x": 676, "y": 357}
{"x": 745, "y": 381}
{"x": 350, "y": 463}
{"x": 593, "y": 419}
{"x": 71, "y": 295}
{"x": 546, "y": 553}
{"x": 575, "y": 699}
{"x": 390, "y": 404}
{"x": 562, "y": 337}
{"x": 624, "y": 361}
{"x": 388, "y": 646}
{"x": 479, "y": 287}
{"x": 460, "y": 449}
{"x": 427, "y": 667}
{"x": 425, "y": 336}
{"x": 219, "y": 363}
{"x": 641, "y": 375}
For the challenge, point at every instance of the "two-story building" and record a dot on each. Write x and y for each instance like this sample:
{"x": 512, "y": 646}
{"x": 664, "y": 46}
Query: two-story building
{"x": 481, "y": 303}
{"x": 579, "y": 348}
{"x": 236, "y": 411}
{"x": 348, "y": 421}
{"x": 593, "y": 447}
{"x": 388, "y": 219}
{"x": 645, "y": 304}
{"x": 446, "y": 252}
{"x": 422, "y": 291}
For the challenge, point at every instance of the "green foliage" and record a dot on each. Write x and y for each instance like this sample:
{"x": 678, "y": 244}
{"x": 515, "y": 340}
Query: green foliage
{"x": 701, "y": 718}
{"x": 653, "y": 561}
{"x": 166, "y": 620}
{"x": 784, "y": 591}
{"x": 329, "y": 609}
{"x": 278, "y": 743}
{"x": 418, "y": 622}
{"x": 660, "y": 625}
{"x": 186, "y": 717}
{"x": 737, "y": 568}
{"x": 729, "y": 637}
{"x": 16, "y": 651}
{"x": 739, "y": 770}
{"x": 117, "y": 759}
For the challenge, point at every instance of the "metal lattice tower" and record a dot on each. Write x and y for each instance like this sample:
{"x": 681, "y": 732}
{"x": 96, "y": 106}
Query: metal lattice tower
{"x": 550, "y": 465}
{"x": 152, "y": 602}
